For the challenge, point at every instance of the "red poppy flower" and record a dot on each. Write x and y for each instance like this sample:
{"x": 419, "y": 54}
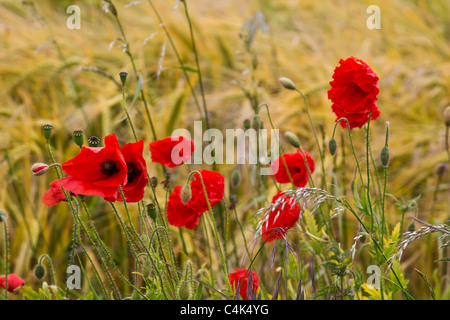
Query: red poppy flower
{"x": 96, "y": 171}
{"x": 296, "y": 166}
{"x": 172, "y": 151}
{"x": 133, "y": 188}
{"x": 14, "y": 282}
{"x": 281, "y": 219}
{"x": 188, "y": 215}
{"x": 236, "y": 279}
{"x": 354, "y": 92}
{"x": 179, "y": 214}
{"x": 54, "y": 195}
{"x": 215, "y": 189}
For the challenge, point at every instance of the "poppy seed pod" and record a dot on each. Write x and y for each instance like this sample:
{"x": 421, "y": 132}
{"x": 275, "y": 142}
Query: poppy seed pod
{"x": 332, "y": 146}
{"x": 39, "y": 272}
{"x": 47, "y": 131}
{"x": 292, "y": 139}
{"x": 186, "y": 193}
{"x": 78, "y": 137}
{"x": 184, "y": 290}
{"x": 94, "y": 141}
{"x": 235, "y": 179}
{"x": 154, "y": 182}
{"x": 2, "y": 216}
{"x": 123, "y": 77}
{"x": 412, "y": 227}
{"x": 151, "y": 211}
{"x": 446, "y": 116}
{"x": 287, "y": 83}
{"x": 384, "y": 156}
{"x": 39, "y": 168}
{"x": 256, "y": 123}
{"x": 247, "y": 124}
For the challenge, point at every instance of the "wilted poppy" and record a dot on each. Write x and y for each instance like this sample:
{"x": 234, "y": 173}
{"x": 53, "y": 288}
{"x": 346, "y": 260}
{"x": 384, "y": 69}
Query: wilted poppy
{"x": 237, "y": 280}
{"x": 14, "y": 282}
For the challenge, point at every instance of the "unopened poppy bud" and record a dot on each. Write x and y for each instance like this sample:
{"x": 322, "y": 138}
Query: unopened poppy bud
{"x": 332, "y": 146}
{"x": 39, "y": 169}
{"x": 151, "y": 211}
{"x": 47, "y": 131}
{"x": 123, "y": 77}
{"x": 287, "y": 83}
{"x": 412, "y": 227}
{"x": 147, "y": 268}
{"x": 2, "y": 216}
{"x": 154, "y": 182}
{"x": 247, "y": 124}
{"x": 184, "y": 290}
{"x": 384, "y": 156}
{"x": 39, "y": 272}
{"x": 78, "y": 137}
{"x": 93, "y": 141}
{"x": 235, "y": 179}
{"x": 135, "y": 295}
{"x": 292, "y": 139}
{"x": 186, "y": 193}
{"x": 256, "y": 123}
{"x": 233, "y": 198}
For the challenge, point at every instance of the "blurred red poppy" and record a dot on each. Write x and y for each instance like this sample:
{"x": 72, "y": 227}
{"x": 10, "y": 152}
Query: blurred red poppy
{"x": 54, "y": 195}
{"x": 281, "y": 219}
{"x": 188, "y": 215}
{"x": 354, "y": 92}
{"x": 96, "y": 171}
{"x": 172, "y": 151}
{"x": 297, "y": 168}
{"x": 236, "y": 281}
{"x": 14, "y": 282}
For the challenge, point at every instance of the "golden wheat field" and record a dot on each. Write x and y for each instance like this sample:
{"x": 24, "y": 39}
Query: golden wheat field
{"x": 219, "y": 63}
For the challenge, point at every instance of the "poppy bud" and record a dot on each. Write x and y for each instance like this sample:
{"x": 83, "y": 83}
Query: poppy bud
{"x": 332, "y": 146}
{"x": 39, "y": 168}
{"x": 93, "y": 141}
{"x": 292, "y": 139}
{"x": 411, "y": 227}
{"x": 186, "y": 193}
{"x": 154, "y": 182}
{"x": 147, "y": 268}
{"x": 47, "y": 131}
{"x": 287, "y": 83}
{"x": 446, "y": 116}
{"x": 2, "y": 216}
{"x": 78, "y": 137}
{"x": 135, "y": 295}
{"x": 39, "y": 272}
{"x": 384, "y": 156}
{"x": 184, "y": 290}
{"x": 151, "y": 211}
{"x": 232, "y": 198}
{"x": 256, "y": 124}
{"x": 235, "y": 179}
{"x": 123, "y": 77}
{"x": 247, "y": 124}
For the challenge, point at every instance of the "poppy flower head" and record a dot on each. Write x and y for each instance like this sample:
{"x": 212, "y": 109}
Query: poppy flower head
{"x": 187, "y": 214}
{"x": 172, "y": 151}
{"x": 136, "y": 180}
{"x": 296, "y": 166}
{"x": 14, "y": 282}
{"x": 353, "y": 92}
{"x": 96, "y": 171}
{"x": 237, "y": 280}
{"x": 277, "y": 222}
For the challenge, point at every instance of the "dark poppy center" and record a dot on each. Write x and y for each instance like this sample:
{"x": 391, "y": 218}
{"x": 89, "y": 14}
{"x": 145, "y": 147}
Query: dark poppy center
{"x": 133, "y": 172}
{"x": 109, "y": 167}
